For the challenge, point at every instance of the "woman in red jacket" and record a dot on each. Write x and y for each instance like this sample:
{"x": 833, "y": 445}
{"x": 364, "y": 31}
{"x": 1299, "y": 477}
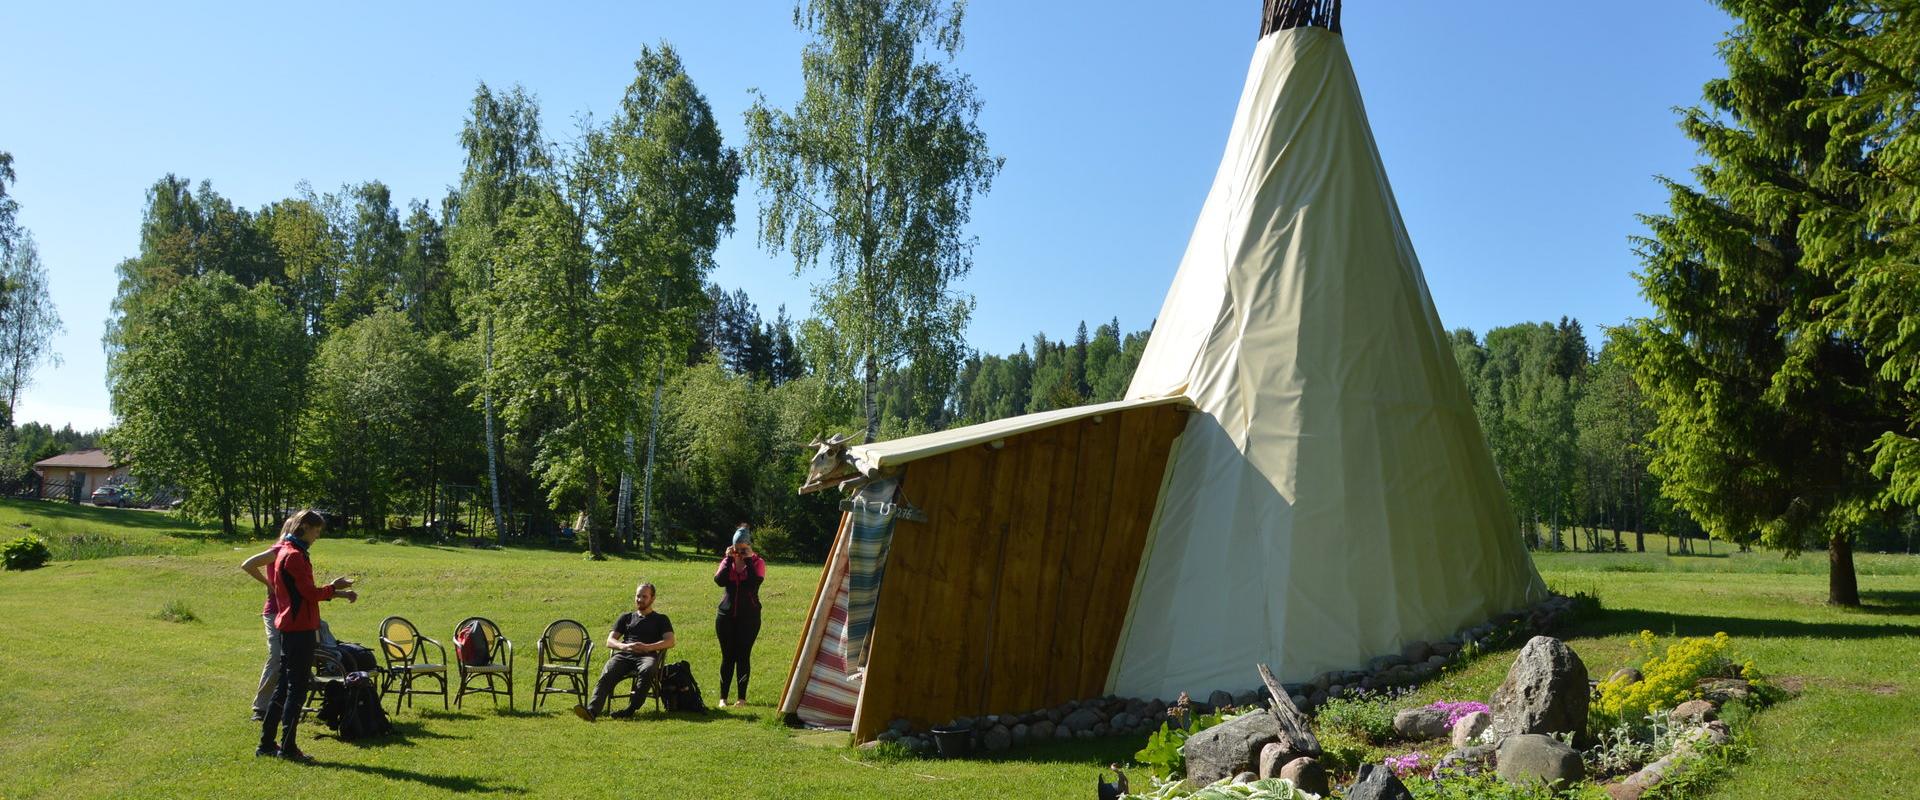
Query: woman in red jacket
{"x": 740, "y": 574}
{"x": 297, "y": 602}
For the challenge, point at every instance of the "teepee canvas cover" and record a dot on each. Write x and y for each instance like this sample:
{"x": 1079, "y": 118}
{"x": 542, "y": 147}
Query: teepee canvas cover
{"x": 1328, "y": 496}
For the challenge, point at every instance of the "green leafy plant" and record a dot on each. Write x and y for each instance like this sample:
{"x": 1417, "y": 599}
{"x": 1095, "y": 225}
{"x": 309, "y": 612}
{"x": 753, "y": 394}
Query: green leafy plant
{"x": 1454, "y": 786}
{"x": 1165, "y": 751}
{"x": 1265, "y": 789}
{"x": 26, "y": 552}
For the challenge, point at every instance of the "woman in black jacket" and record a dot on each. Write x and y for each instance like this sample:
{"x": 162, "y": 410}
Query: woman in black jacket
{"x": 740, "y": 573}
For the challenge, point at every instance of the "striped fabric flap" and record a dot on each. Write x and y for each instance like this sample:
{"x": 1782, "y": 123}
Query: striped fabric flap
{"x": 831, "y": 694}
{"x": 871, "y": 533}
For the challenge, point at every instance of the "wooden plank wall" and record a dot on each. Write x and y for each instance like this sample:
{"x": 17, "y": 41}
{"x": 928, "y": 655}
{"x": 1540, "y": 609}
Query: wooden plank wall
{"x": 1012, "y": 594}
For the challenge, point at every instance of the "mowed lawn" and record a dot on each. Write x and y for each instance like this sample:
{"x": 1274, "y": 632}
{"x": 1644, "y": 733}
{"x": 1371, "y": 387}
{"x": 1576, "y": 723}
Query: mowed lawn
{"x": 101, "y": 698}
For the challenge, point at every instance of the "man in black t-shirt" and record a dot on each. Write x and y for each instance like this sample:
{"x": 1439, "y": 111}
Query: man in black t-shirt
{"x": 637, "y": 640}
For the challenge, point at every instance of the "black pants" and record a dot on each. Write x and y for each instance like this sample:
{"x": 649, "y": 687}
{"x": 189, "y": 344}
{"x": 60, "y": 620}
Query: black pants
{"x": 290, "y": 697}
{"x": 617, "y": 669}
{"x": 736, "y": 634}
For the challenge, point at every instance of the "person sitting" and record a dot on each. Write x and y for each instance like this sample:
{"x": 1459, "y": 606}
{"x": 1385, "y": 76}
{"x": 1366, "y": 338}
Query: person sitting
{"x": 637, "y": 640}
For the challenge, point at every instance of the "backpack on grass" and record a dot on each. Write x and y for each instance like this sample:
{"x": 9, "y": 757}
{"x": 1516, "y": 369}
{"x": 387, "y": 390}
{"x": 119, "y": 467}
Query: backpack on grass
{"x": 678, "y": 690}
{"x": 352, "y": 709}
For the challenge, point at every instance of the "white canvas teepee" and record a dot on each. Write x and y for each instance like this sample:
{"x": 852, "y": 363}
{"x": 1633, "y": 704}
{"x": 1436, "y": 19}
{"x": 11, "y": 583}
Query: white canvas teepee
{"x": 1334, "y": 497}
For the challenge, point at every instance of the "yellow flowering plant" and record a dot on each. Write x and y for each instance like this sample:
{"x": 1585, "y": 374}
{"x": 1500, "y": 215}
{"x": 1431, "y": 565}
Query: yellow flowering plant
{"x": 1670, "y": 676}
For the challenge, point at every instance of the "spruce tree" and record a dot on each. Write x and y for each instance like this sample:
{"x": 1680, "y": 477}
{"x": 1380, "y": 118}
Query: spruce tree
{"x": 1765, "y": 412}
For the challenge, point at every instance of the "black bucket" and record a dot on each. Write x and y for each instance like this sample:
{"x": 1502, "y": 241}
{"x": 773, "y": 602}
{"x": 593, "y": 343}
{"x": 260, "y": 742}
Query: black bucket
{"x": 953, "y": 742}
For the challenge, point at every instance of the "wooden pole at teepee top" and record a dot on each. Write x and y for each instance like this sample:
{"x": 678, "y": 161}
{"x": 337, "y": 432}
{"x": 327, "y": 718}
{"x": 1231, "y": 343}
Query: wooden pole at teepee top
{"x": 1280, "y": 15}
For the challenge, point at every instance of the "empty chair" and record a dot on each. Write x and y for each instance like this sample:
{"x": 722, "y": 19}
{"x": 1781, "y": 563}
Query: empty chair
{"x": 498, "y": 666}
{"x": 404, "y": 648}
{"x": 565, "y": 654}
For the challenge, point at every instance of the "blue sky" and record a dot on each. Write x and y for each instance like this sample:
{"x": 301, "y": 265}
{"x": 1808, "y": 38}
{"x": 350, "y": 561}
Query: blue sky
{"x": 1521, "y": 138}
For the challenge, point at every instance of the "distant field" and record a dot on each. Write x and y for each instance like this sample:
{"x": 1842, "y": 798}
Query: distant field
{"x": 102, "y": 699}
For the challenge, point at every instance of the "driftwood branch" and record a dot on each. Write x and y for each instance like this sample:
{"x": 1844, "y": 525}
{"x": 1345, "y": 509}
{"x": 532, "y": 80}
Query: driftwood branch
{"x": 1291, "y": 720}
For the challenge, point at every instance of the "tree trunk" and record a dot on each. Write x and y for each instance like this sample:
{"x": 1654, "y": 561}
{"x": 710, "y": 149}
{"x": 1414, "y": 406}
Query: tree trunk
{"x": 1843, "y": 587}
{"x": 646, "y": 481}
{"x": 594, "y": 523}
{"x": 871, "y": 387}
{"x": 493, "y": 458}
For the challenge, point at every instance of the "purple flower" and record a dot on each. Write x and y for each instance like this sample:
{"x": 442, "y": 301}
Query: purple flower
{"x": 1406, "y": 765}
{"x": 1457, "y": 710}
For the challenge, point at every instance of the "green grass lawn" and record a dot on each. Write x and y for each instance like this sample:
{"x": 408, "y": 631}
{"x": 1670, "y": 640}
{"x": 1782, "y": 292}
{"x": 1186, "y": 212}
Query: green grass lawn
{"x": 101, "y": 698}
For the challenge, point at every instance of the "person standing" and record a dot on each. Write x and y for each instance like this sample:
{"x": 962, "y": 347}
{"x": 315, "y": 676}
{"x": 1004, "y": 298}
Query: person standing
{"x": 297, "y": 616}
{"x": 256, "y": 566}
{"x": 740, "y": 574}
{"x": 637, "y": 640}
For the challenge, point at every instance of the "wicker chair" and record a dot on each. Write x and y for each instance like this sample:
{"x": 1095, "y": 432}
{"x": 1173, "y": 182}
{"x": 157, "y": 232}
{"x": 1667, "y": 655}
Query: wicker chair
{"x": 499, "y": 666}
{"x": 327, "y": 670}
{"x": 652, "y": 689}
{"x": 404, "y": 649}
{"x": 565, "y": 653}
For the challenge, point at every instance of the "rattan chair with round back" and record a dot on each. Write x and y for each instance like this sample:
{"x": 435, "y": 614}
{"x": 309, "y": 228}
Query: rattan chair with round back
{"x": 404, "y": 648}
{"x": 565, "y": 661}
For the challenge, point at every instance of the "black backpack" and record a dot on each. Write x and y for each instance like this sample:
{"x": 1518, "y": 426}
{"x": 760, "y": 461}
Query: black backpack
{"x": 355, "y": 657}
{"x": 678, "y": 690}
{"x": 352, "y": 709}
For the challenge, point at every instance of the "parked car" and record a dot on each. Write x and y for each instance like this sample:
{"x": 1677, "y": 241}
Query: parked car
{"x": 110, "y": 496}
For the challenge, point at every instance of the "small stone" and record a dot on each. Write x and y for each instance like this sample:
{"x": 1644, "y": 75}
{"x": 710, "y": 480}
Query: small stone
{"x": 1626, "y": 675}
{"x": 901, "y": 727}
{"x": 1446, "y": 649}
{"x": 1245, "y": 777}
{"x": 1416, "y": 652}
{"x": 1307, "y": 775}
{"x": 1021, "y": 733}
{"x": 1102, "y": 729}
{"x": 1298, "y": 700}
{"x": 998, "y": 739}
{"x": 1041, "y": 730}
{"x": 1246, "y": 699}
{"x": 870, "y": 746}
{"x": 1726, "y": 690}
{"x": 1420, "y": 724}
{"x": 1083, "y": 735}
{"x": 1467, "y": 730}
{"x": 888, "y": 735}
{"x": 1062, "y": 732}
{"x": 1436, "y": 661}
{"x": 1531, "y": 757}
{"x": 1317, "y": 699}
{"x": 1083, "y": 720}
{"x": 1220, "y": 698}
{"x": 1384, "y": 663}
{"x": 983, "y": 724}
{"x": 1376, "y": 782}
{"x": 1470, "y": 760}
{"x": 1692, "y": 712}
{"x": 1123, "y": 721}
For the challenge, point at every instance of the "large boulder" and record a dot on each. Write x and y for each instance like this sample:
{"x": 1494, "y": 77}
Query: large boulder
{"x": 1545, "y": 691}
{"x": 1232, "y": 747}
{"x": 1467, "y": 730}
{"x": 1534, "y": 758}
{"x": 1376, "y": 782}
{"x": 1420, "y": 724}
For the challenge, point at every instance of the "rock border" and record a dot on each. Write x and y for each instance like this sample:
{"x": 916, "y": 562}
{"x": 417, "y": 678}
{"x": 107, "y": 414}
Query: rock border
{"x": 1416, "y": 663}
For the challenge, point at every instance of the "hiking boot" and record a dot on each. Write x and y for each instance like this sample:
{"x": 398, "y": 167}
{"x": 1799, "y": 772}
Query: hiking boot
{"x": 266, "y": 750}
{"x": 294, "y": 755}
{"x": 583, "y": 712}
{"x": 623, "y": 713}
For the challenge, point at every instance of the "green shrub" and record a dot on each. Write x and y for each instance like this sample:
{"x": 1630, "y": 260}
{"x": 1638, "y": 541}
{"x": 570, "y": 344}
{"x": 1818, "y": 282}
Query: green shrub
{"x": 1165, "y": 752}
{"x": 26, "y": 552}
{"x": 176, "y": 611}
{"x": 1364, "y": 716}
{"x": 774, "y": 541}
{"x": 1491, "y": 787}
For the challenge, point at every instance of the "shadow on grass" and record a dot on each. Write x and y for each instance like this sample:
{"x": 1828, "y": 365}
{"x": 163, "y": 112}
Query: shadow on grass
{"x": 451, "y": 783}
{"x": 1631, "y": 621}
